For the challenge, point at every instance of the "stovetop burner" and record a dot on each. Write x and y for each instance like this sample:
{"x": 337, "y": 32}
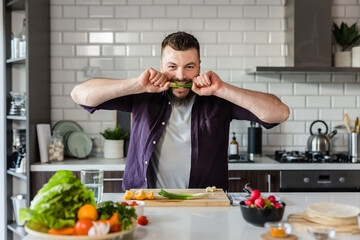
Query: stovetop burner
{"x": 310, "y": 157}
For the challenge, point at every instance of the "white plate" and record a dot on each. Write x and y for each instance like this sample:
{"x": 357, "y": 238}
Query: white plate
{"x": 79, "y": 144}
{"x": 331, "y": 209}
{"x": 42, "y": 235}
{"x": 64, "y": 126}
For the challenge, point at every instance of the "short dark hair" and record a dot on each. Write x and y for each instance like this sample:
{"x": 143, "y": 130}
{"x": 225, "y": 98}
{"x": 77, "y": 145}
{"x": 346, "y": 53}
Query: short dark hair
{"x": 180, "y": 41}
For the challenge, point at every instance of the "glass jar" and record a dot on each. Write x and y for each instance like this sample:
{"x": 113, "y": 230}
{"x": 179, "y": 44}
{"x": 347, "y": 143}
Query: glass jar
{"x": 56, "y": 147}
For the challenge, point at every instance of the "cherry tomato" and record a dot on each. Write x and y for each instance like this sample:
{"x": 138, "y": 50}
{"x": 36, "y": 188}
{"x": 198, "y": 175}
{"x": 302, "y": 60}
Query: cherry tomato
{"x": 82, "y": 226}
{"x": 133, "y": 203}
{"x": 255, "y": 194}
{"x": 125, "y": 203}
{"x": 142, "y": 220}
{"x": 272, "y": 198}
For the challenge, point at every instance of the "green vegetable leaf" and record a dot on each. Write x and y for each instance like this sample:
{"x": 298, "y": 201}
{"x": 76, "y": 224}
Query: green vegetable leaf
{"x": 182, "y": 196}
{"x": 57, "y": 202}
{"x": 176, "y": 85}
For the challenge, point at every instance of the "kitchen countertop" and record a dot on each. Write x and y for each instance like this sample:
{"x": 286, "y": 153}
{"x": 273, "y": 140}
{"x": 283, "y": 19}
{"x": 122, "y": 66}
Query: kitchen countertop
{"x": 222, "y": 222}
{"x": 262, "y": 163}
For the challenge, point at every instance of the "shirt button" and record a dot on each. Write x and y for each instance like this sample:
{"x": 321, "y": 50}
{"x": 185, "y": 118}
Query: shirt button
{"x": 145, "y": 162}
{"x": 163, "y": 123}
{"x": 154, "y": 142}
{"x": 145, "y": 179}
{"x": 169, "y": 103}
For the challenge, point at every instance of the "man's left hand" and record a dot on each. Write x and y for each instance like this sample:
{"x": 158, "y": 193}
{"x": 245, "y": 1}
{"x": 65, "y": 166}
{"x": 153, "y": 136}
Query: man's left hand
{"x": 206, "y": 84}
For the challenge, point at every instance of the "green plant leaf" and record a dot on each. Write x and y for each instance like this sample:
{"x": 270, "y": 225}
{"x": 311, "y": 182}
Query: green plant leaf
{"x": 345, "y": 36}
{"x": 116, "y": 133}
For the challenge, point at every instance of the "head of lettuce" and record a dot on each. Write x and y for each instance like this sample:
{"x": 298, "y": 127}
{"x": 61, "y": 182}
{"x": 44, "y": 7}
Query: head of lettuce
{"x": 57, "y": 202}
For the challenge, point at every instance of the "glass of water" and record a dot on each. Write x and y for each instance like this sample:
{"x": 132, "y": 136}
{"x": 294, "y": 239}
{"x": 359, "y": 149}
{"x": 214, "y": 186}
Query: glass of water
{"x": 93, "y": 179}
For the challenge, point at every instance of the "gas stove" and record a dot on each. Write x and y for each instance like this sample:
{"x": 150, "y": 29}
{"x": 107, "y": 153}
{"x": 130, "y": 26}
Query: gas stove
{"x": 283, "y": 156}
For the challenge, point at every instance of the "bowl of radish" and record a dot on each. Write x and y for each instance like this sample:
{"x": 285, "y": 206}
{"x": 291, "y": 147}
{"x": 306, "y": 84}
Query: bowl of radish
{"x": 258, "y": 209}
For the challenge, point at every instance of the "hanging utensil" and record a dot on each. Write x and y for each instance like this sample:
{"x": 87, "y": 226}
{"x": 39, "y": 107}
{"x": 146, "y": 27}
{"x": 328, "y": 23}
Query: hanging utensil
{"x": 358, "y": 129}
{"x": 347, "y": 122}
{"x": 356, "y": 124}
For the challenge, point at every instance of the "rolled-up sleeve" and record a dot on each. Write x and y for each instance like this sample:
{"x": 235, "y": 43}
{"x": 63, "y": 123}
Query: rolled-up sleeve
{"x": 240, "y": 113}
{"x": 123, "y": 104}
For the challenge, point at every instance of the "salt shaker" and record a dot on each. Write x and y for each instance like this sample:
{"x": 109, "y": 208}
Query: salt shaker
{"x": 56, "y": 147}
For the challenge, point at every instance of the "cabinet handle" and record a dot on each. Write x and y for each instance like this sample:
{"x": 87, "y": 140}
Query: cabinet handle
{"x": 235, "y": 178}
{"x": 269, "y": 182}
{"x": 113, "y": 179}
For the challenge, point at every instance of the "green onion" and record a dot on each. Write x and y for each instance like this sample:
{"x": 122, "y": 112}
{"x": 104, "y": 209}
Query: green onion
{"x": 176, "y": 85}
{"x": 182, "y": 196}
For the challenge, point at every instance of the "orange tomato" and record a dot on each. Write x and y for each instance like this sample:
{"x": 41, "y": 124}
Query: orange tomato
{"x": 83, "y": 226}
{"x": 87, "y": 211}
{"x": 62, "y": 231}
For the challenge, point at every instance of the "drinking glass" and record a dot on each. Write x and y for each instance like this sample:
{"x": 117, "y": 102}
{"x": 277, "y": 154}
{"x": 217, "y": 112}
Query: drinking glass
{"x": 93, "y": 180}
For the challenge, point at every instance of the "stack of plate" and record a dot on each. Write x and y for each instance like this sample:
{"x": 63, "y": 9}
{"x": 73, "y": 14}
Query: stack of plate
{"x": 332, "y": 214}
{"x": 76, "y": 142}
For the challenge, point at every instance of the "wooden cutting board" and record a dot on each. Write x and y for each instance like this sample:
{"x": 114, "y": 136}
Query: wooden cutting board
{"x": 215, "y": 199}
{"x": 298, "y": 222}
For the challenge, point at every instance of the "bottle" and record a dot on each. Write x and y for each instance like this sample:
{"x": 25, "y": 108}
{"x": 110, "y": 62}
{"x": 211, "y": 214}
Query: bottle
{"x": 234, "y": 148}
{"x": 15, "y": 45}
{"x": 22, "y": 43}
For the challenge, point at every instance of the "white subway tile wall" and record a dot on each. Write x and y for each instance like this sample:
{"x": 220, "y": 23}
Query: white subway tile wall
{"x": 120, "y": 38}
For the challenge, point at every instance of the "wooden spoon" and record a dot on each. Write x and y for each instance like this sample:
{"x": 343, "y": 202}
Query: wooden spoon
{"x": 358, "y": 129}
{"x": 356, "y": 124}
{"x": 347, "y": 122}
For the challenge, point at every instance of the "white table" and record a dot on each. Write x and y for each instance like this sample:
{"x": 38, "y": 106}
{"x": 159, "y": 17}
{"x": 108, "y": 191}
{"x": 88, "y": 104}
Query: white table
{"x": 222, "y": 222}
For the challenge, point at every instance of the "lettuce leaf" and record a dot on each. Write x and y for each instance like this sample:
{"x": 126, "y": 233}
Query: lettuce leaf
{"x": 57, "y": 202}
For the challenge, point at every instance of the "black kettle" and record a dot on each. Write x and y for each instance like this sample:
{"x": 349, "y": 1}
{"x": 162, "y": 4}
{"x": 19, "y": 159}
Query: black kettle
{"x": 320, "y": 142}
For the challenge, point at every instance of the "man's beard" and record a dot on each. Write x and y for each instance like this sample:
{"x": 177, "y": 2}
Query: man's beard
{"x": 180, "y": 101}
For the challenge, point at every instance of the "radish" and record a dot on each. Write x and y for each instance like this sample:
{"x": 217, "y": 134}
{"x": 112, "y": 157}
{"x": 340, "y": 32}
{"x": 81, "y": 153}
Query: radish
{"x": 272, "y": 199}
{"x": 255, "y": 194}
{"x": 259, "y": 202}
{"x": 278, "y": 205}
{"x": 248, "y": 202}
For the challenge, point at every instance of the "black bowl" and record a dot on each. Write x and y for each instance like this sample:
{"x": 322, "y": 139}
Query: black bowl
{"x": 258, "y": 216}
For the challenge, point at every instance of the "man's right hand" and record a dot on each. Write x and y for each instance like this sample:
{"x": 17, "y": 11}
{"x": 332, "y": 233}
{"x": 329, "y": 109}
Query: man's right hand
{"x": 153, "y": 81}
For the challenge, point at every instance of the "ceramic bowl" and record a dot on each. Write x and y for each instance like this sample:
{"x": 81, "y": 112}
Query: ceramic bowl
{"x": 258, "y": 216}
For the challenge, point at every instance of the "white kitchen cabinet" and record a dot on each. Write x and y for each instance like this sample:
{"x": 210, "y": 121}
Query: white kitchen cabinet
{"x": 29, "y": 74}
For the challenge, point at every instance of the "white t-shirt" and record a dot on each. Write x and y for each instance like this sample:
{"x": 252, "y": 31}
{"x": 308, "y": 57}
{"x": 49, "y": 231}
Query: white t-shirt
{"x": 170, "y": 163}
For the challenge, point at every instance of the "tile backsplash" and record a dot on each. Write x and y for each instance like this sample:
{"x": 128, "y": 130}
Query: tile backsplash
{"x": 121, "y": 38}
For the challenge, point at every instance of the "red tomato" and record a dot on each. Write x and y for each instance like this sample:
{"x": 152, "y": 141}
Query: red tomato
{"x": 142, "y": 220}
{"x": 82, "y": 226}
{"x": 255, "y": 194}
{"x": 133, "y": 203}
{"x": 260, "y": 202}
{"x": 248, "y": 202}
{"x": 272, "y": 199}
{"x": 125, "y": 203}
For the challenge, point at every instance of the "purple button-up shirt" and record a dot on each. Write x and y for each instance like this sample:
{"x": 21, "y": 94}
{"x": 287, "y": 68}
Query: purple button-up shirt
{"x": 210, "y": 123}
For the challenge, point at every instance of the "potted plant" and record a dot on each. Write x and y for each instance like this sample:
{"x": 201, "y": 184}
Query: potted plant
{"x": 114, "y": 142}
{"x": 345, "y": 37}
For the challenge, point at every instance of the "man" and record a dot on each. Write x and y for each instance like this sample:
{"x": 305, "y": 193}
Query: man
{"x": 179, "y": 136}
